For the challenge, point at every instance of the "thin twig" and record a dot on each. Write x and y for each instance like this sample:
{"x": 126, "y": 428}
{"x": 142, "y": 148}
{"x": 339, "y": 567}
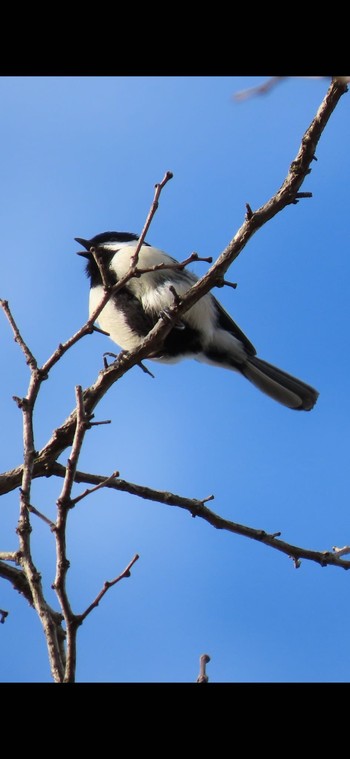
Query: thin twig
{"x": 145, "y": 369}
{"x": 158, "y": 189}
{"x": 37, "y": 513}
{"x": 30, "y": 360}
{"x": 177, "y": 266}
{"x": 107, "y": 585}
{"x": 224, "y": 282}
{"x": 260, "y": 89}
{"x": 88, "y": 491}
{"x": 204, "y": 659}
{"x": 269, "y": 84}
{"x": 81, "y": 427}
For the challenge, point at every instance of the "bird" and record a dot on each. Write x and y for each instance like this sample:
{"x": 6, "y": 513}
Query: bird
{"x": 206, "y": 332}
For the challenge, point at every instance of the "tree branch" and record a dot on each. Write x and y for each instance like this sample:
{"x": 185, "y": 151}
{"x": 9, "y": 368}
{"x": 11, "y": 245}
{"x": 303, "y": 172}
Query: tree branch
{"x": 107, "y": 585}
{"x": 204, "y": 659}
{"x": 197, "y": 509}
{"x": 30, "y": 360}
{"x": 158, "y": 189}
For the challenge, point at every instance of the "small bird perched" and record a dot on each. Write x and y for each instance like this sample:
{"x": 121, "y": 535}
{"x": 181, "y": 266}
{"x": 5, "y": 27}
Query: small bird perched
{"x": 205, "y": 332}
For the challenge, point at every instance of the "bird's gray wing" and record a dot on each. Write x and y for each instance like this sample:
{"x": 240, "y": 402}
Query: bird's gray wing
{"x": 225, "y": 322}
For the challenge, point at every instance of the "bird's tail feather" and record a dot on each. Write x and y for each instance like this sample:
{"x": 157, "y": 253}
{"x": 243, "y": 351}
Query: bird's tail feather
{"x": 279, "y": 385}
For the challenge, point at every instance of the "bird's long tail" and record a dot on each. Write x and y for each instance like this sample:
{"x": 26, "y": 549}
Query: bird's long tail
{"x": 279, "y": 385}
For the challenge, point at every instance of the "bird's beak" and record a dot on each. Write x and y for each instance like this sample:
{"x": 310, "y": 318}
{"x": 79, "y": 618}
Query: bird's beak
{"x": 86, "y": 244}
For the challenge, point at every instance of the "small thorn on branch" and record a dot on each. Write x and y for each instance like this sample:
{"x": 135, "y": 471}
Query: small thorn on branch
{"x": 276, "y": 535}
{"x": 145, "y": 369}
{"x": 296, "y": 562}
{"x": 96, "y": 424}
{"x": 177, "y": 298}
{"x": 3, "y": 615}
{"x": 303, "y": 195}
{"x": 21, "y": 402}
{"x": 105, "y": 362}
{"x": 208, "y": 498}
{"x": 249, "y": 212}
{"x": 102, "y": 331}
{"x": 221, "y": 282}
{"x": 194, "y": 257}
{"x": 204, "y": 659}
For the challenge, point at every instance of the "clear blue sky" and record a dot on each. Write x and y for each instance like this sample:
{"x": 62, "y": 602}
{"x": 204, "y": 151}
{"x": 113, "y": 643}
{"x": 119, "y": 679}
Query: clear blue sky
{"x": 81, "y": 156}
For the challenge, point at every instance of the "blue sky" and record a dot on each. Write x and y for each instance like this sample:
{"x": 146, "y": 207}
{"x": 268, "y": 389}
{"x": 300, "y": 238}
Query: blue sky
{"x": 81, "y": 156}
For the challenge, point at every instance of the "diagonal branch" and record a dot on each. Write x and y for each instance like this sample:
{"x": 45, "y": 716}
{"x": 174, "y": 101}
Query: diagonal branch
{"x": 30, "y": 360}
{"x": 197, "y": 508}
{"x": 158, "y": 189}
{"x": 107, "y": 585}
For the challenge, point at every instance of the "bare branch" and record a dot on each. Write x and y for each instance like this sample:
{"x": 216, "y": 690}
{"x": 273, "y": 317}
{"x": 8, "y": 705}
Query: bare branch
{"x": 260, "y": 89}
{"x": 197, "y": 509}
{"x": 224, "y": 282}
{"x": 204, "y": 659}
{"x": 178, "y": 266}
{"x": 269, "y": 84}
{"x": 37, "y": 513}
{"x": 88, "y": 491}
{"x": 145, "y": 369}
{"x": 30, "y": 360}
{"x": 107, "y": 585}
{"x": 158, "y": 189}
{"x": 80, "y": 429}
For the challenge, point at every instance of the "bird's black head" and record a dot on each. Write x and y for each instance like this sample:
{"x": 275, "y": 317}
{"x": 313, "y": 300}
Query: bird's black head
{"x": 109, "y": 243}
{"x": 106, "y": 239}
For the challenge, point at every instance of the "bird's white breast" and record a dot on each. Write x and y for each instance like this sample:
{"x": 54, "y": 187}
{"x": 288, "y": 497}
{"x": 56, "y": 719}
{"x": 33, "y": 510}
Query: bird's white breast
{"x": 113, "y": 321}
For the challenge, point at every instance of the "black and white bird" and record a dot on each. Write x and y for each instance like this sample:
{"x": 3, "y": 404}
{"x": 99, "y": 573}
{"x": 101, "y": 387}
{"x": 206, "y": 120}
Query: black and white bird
{"x": 205, "y": 332}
